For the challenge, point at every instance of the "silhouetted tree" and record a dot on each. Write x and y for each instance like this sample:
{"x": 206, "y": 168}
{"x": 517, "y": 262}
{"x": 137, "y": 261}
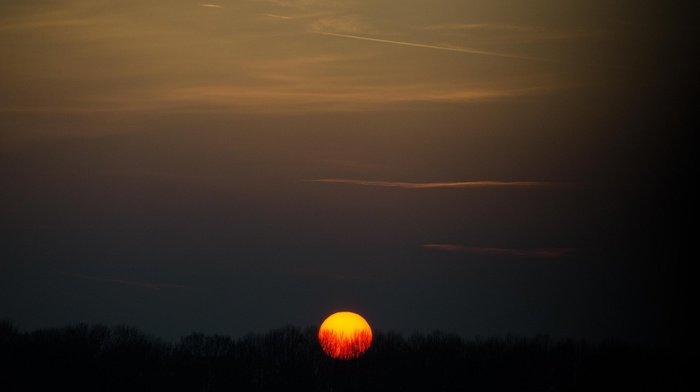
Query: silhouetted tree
{"x": 100, "y": 358}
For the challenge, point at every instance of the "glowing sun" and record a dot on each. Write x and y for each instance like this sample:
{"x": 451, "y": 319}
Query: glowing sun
{"x": 345, "y": 335}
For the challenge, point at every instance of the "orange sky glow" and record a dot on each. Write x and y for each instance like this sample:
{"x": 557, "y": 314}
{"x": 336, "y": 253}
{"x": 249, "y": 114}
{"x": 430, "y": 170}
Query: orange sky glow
{"x": 176, "y": 164}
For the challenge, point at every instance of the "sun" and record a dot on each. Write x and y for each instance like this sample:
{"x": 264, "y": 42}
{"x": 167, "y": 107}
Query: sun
{"x": 345, "y": 335}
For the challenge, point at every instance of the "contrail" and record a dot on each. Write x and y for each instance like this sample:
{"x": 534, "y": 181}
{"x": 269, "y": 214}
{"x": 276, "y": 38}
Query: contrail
{"x": 386, "y": 41}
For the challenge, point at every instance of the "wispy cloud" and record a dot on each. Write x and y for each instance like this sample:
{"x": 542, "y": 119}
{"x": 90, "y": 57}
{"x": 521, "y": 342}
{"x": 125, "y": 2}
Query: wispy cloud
{"x": 278, "y": 16}
{"x": 478, "y": 26}
{"x": 243, "y": 64}
{"x": 419, "y": 45}
{"x": 323, "y": 93}
{"x": 144, "y": 285}
{"x": 416, "y": 185}
{"x": 539, "y": 252}
{"x": 48, "y": 24}
{"x": 348, "y": 24}
{"x": 512, "y": 35}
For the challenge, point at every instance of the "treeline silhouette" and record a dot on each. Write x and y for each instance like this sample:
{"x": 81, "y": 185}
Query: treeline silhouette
{"x": 121, "y": 358}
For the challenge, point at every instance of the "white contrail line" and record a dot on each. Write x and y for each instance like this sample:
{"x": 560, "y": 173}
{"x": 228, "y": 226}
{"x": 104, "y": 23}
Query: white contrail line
{"x": 386, "y": 41}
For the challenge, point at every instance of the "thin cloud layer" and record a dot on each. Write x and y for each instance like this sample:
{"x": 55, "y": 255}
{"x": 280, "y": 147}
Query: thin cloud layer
{"x": 419, "y": 45}
{"x": 537, "y": 253}
{"x": 477, "y": 26}
{"x": 423, "y": 185}
{"x": 143, "y": 285}
{"x": 248, "y": 57}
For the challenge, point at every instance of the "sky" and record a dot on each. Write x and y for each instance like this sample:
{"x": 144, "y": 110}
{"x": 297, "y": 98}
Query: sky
{"x": 482, "y": 168}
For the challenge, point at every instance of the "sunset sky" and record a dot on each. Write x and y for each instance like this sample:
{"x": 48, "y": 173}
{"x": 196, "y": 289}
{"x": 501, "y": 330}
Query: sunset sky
{"x": 479, "y": 167}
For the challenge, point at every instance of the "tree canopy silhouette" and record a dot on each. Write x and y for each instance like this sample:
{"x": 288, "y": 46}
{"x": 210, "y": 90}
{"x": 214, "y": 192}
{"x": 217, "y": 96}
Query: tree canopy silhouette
{"x": 102, "y": 358}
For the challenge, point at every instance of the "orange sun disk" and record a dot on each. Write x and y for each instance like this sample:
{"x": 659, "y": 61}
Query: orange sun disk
{"x": 345, "y": 335}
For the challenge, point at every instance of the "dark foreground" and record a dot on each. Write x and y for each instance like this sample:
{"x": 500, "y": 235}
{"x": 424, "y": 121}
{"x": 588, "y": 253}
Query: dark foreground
{"x": 100, "y": 358}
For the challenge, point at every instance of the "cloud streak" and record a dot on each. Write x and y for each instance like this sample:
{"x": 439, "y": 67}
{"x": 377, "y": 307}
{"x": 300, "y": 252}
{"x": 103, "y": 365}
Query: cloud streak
{"x": 418, "y": 45}
{"x": 302, "y": 93}
{"x": 143, "y": 285}
{"x": 278, "y": 16}
{"x": 549, "y": 253}
{"x": 242, "y": 64}
{"x": 478, "y": 26}
{"x": 423, "y": 185}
